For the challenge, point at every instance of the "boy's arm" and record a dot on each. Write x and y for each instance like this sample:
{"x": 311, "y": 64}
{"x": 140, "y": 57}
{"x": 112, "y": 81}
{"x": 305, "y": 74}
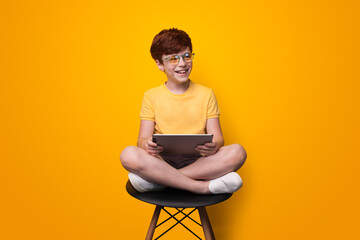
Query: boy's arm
{"x": 212, "y": 127}
{"x": 145, "y": 138}
{"x": 145, "y": 132}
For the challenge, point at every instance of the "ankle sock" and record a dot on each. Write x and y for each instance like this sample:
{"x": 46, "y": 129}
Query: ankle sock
{"x": 143, "y": 185}
{"x": 228, "y": 183}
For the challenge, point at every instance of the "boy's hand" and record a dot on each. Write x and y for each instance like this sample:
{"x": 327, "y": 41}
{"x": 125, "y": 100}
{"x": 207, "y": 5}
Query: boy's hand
{"x": 152, "y": 148}
{"x": 207, "y": 149}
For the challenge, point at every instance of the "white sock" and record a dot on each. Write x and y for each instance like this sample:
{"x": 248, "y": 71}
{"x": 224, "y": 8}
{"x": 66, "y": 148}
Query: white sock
{"x": 228, "y": 183}
{"x": 142, "y": 185}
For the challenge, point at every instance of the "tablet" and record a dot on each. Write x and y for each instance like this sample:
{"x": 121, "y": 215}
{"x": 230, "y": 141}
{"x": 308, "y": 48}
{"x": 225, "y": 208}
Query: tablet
{"x": 181, "y": 143}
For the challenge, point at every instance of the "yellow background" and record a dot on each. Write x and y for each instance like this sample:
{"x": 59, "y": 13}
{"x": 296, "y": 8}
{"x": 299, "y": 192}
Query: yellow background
{"x": 286, "y": 75}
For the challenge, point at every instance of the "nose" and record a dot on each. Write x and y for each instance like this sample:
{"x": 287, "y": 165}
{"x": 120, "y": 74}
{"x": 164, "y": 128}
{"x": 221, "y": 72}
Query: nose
{"x": 181, "y": 62}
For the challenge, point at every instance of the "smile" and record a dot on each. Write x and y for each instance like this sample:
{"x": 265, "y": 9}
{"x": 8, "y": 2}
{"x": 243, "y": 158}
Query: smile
{"x": 182, "y": 71}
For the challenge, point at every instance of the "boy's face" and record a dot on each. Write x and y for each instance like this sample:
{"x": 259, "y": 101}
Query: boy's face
{"x": 178, "y": 73}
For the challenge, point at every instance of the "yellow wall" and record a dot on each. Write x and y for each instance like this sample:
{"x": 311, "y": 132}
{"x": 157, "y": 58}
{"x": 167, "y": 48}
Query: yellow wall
{"x": 286, "y": 75}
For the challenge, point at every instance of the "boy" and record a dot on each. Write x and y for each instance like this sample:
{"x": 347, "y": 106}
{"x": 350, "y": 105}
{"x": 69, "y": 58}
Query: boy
{"x": 180, "y": 106}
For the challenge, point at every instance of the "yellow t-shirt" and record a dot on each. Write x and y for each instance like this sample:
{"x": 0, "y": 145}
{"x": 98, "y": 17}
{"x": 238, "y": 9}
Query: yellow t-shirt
{"x": 179, "y": 114}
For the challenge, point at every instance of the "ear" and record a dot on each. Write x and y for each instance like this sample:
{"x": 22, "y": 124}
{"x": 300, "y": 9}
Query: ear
{"x": 160, "y": 66}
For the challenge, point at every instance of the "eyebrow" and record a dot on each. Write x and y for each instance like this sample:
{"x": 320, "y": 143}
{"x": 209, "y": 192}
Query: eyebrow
{"x": 176, "y": 54}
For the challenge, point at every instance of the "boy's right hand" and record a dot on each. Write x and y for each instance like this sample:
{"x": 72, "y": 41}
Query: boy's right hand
{"x": 152, "y": 148}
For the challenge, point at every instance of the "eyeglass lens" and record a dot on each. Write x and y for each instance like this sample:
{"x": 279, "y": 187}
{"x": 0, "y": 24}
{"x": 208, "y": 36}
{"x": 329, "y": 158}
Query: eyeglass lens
{"x": 176, "y": 59}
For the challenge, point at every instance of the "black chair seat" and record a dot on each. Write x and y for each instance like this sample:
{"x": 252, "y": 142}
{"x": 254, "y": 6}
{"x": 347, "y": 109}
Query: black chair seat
{"x": 176, "y": 198}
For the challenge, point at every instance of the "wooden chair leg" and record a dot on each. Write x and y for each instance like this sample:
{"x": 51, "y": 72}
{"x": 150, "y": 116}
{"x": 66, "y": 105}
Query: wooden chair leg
{"x": 205, "y": 222}
{"x": 151, "y": 230}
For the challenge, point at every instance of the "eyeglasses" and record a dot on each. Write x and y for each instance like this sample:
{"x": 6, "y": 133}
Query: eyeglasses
{"x": 175, "y": 59}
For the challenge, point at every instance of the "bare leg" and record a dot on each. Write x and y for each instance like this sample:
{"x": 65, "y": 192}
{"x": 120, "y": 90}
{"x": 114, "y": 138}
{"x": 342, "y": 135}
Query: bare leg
{"x": 155, "y": 170}
{"x": 227, "y": 159}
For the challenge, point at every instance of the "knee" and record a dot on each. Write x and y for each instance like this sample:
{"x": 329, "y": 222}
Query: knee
{"x": 237, "y": 155}
{"x": 129, "y": 158}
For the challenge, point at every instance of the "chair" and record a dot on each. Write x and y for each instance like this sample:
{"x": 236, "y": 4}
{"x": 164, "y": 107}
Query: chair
{"x": 179, "y": 200}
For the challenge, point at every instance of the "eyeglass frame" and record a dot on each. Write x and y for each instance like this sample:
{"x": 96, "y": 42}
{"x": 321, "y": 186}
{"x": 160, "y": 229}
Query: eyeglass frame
{"x": 179, "y": 56}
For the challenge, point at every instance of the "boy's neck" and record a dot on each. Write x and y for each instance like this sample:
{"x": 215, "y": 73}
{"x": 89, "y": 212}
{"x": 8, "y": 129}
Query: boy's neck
{"x": 177, "y": 88}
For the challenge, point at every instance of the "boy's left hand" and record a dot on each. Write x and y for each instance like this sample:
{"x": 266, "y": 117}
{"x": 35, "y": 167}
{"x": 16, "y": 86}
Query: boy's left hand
{"x": 207, "y": 149}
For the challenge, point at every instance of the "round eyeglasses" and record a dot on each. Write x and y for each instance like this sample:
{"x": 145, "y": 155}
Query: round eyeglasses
{"x": 175, "y": 59}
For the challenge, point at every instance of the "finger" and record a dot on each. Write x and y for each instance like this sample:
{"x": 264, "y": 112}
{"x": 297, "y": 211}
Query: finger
{"x": 151, "y": 146}
{"x": 152, "y": 152}
{"x": 156, "y": 153}
{"x": 157, "y": 149}
{"x": 207, "y": 151}
{"x": 201, "y": 147}
{"x": 212, "y": 144}
{"x": 148, "y": 147}
{"x": 206, "y": 148}
{"x": 206, "y": 154}
{"x": 151, "y": 143}
{"x": 203, "y": 152}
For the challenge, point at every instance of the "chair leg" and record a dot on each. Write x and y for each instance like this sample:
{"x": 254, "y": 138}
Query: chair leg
{"x": 208, "y": 232}
{"x": 151, "y": 230}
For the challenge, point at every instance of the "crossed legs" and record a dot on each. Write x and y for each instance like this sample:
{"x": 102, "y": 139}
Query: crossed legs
{"x": 194, "y": 178}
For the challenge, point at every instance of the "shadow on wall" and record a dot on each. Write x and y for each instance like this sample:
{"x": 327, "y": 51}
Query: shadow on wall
{"x": 222, "y": 215}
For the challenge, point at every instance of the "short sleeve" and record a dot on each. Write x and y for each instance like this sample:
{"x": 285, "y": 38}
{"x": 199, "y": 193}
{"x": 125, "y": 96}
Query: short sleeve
{"x": 147, "y": 109}
{"x": 213, "y": 108}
